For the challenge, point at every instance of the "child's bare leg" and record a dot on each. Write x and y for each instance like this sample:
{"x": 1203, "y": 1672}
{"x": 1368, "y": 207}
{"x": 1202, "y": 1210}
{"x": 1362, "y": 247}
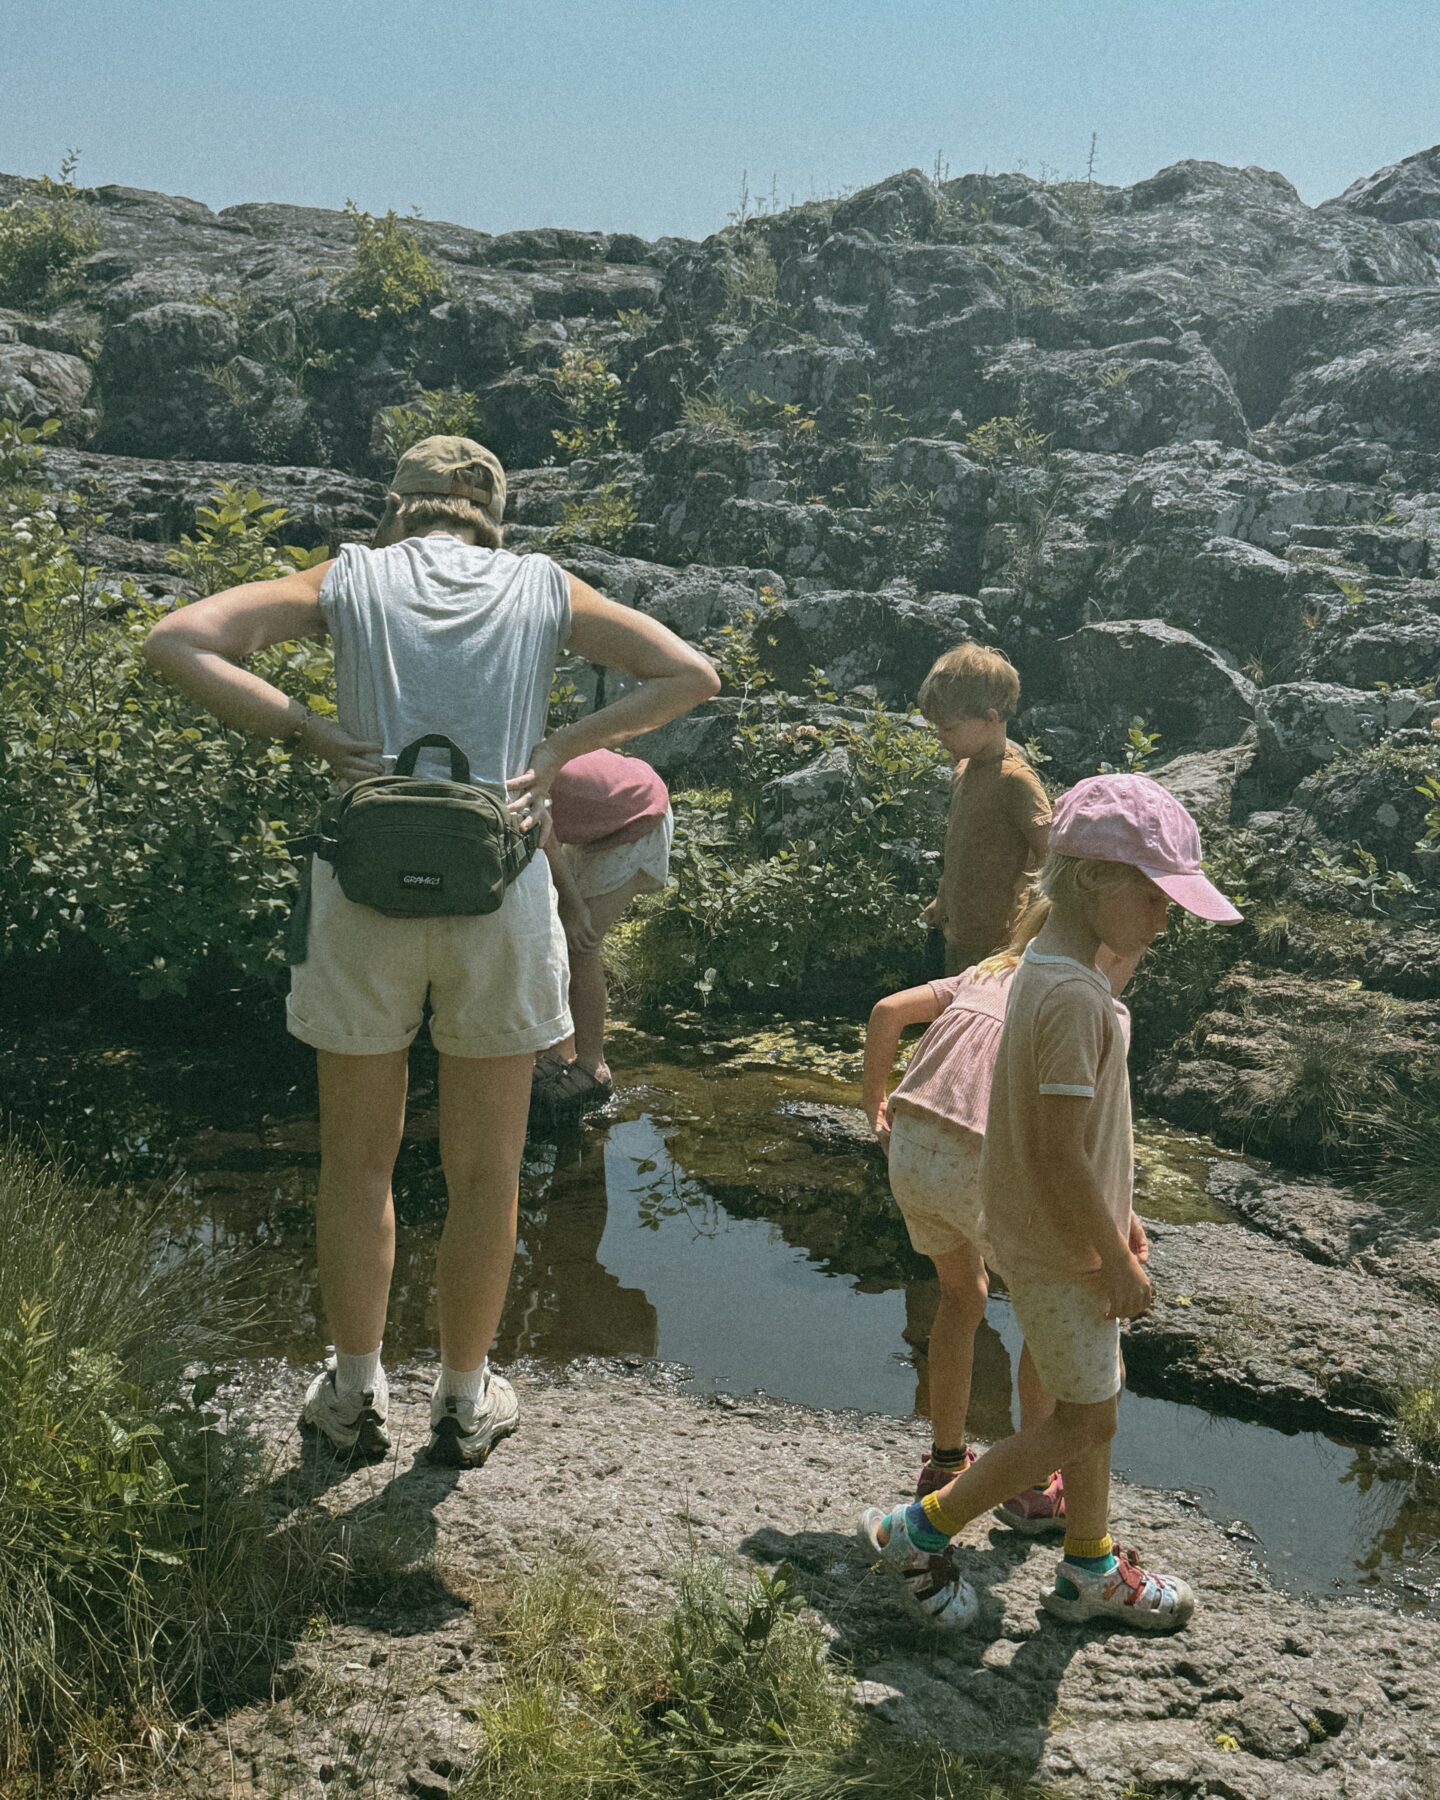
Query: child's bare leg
{"x": 1087, "y": 1481}
{"x": 1035, "y": 1403}
{"x": 963, "y": 1291}
{"x": 589, "y": 991}
{"x": 1071, "y": 1432}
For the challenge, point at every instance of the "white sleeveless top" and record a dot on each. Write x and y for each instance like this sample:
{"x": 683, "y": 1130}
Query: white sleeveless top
{"x": 435, "y": 635}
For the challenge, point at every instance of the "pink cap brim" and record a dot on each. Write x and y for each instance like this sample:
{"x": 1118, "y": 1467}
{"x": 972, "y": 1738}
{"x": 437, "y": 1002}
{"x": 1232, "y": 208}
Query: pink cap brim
{"x": 1196, "y": 895}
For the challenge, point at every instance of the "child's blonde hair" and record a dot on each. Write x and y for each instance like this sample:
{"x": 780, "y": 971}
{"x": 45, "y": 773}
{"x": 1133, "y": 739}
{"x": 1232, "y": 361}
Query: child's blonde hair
{"x": 428, "y": 512}
{"x": 1027, "y": 926}
{"x": 966, "y": 682}
{"x": 1072, "y": 881}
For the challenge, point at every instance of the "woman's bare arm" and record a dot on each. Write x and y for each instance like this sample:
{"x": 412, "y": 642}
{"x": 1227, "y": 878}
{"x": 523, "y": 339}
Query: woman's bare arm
{"x": 202, "y": 649}
{"x": 673, "y": 677}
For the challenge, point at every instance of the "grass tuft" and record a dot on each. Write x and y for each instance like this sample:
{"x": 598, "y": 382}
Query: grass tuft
{"x": 1417, "y": 1416}
{"x": 141, "y": 1574}
{"x": 727, "y": 1693}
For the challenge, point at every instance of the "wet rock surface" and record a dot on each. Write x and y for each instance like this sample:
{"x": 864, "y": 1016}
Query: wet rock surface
{"x": 1262, "y": 1695}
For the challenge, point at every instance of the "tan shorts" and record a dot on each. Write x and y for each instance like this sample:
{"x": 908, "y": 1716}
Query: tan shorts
{"x": 498, "y": 983}
{"x": 933, "y": 1177}
{"x": 602, "y": 871}
{"x": 1075, "y": 1348}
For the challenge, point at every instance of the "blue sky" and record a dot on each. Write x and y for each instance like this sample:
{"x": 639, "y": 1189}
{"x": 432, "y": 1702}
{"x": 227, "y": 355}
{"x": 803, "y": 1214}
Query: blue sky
{"x": 645, "y": 115}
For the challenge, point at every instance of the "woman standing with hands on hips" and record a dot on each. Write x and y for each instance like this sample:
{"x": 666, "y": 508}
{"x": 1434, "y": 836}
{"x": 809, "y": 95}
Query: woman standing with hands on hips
{"x": 437, "y": 630}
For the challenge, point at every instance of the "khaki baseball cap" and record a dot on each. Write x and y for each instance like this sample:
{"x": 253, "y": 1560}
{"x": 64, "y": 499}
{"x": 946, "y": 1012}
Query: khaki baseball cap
{"x": 450, "y": 467}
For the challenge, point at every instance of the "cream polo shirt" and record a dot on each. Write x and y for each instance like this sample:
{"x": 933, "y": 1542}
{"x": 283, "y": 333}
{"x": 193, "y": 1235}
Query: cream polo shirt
{"x": 1065, "y": 1033}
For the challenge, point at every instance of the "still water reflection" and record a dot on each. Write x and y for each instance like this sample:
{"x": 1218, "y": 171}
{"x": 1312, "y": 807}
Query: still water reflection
{"x": 711, "y": 1221}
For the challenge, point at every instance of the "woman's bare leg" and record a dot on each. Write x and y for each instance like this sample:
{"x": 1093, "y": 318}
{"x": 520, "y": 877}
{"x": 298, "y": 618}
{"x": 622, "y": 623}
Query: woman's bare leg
{"x": 362, "y": 1117}
{"x": 484, "y": 1105}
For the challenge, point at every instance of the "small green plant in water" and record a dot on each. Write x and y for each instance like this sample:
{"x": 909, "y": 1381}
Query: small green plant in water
{"x": 1417, "y": 1416}
{"x": 44, "y": 237}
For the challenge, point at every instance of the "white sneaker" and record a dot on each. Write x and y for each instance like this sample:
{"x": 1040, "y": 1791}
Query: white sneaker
{"x": 353, "y": 1424}
{"x": 462, "y": 1432}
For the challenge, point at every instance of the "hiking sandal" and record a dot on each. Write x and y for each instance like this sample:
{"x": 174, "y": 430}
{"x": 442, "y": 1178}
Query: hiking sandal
{"x": 1125, "y": 1593}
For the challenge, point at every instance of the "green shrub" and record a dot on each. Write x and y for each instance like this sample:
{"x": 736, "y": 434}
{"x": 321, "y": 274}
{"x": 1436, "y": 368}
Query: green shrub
{"x": 604, "y": 518}
{"x": 144, "y": 843}
{"x": 1135, "y": 751}
{"x": 1006, "y": 439}
{"x": 392, "y": 277}
{"x": 589, "y": 392}
{"x": 43, "y": 239}
{"x": 140, "y": 1572}
{"x": 759, "y": 914}
{"x": 434, "y": 412}
{"x": 727, "y": 1695}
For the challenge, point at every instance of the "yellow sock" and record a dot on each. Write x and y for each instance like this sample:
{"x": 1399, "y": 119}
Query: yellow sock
{"x": 939, "y": 1518}
{"x": 1090, "y": 1547}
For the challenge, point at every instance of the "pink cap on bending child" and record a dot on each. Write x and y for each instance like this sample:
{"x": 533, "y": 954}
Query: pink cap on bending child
{"x": 1132, "y": 819}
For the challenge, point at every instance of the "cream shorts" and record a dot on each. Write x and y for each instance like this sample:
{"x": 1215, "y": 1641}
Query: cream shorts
{"x": 933, "y": 1176}
{"x": 498, "y": 983}
{"x": 602, "y": 871}
{"x": 1075, "y": 1348}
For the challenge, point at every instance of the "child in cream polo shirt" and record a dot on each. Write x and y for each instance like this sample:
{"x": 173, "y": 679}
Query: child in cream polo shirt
{"x": 1055, "y": 1181}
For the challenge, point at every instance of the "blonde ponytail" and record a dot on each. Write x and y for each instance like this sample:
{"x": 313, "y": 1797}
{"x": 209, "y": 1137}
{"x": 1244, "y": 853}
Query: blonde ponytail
{"x": 1027, "y": 926}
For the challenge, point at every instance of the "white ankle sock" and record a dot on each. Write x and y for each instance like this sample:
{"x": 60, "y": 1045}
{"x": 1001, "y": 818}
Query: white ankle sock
{"x": 464, "y": 1384}
{"x": 357, "y": 1374}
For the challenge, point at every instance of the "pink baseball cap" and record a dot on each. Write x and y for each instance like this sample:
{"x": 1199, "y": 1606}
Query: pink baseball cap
{"x": 1132, "y": 819}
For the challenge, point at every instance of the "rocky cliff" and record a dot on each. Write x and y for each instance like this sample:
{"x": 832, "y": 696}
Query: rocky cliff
{"x": 1175, "y": 447}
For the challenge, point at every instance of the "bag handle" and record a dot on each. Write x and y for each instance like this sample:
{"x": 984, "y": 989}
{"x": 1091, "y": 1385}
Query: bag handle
{"x": 459, "y": 762}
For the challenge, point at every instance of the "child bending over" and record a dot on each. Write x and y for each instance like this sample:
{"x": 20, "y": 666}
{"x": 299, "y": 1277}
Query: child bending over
{"x": 611, "y": 831}
{"x": 999, "y": 813}
{"x": 1055, "y": 1187}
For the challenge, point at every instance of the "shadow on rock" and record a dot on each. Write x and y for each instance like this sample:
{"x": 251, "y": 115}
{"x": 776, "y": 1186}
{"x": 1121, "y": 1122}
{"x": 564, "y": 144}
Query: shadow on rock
{"x": 990, "y": 1691}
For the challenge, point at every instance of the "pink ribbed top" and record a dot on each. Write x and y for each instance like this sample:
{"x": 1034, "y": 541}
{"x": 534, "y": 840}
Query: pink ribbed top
{"x": 948, "y": 1077}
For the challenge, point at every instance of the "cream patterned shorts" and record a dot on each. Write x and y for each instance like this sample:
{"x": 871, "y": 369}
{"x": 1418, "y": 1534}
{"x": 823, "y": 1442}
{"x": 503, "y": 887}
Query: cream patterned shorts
{"x": 933, "y": 1178}
{"x": 1075, "y": 1348}
{"x": 602, "y": 871}
{"x": 497, "y": 982}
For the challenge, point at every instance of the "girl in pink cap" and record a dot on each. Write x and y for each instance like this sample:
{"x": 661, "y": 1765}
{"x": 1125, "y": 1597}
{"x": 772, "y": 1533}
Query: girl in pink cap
{"x": 933, "y": 1129}
{"x": 1055, "y": 1190}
